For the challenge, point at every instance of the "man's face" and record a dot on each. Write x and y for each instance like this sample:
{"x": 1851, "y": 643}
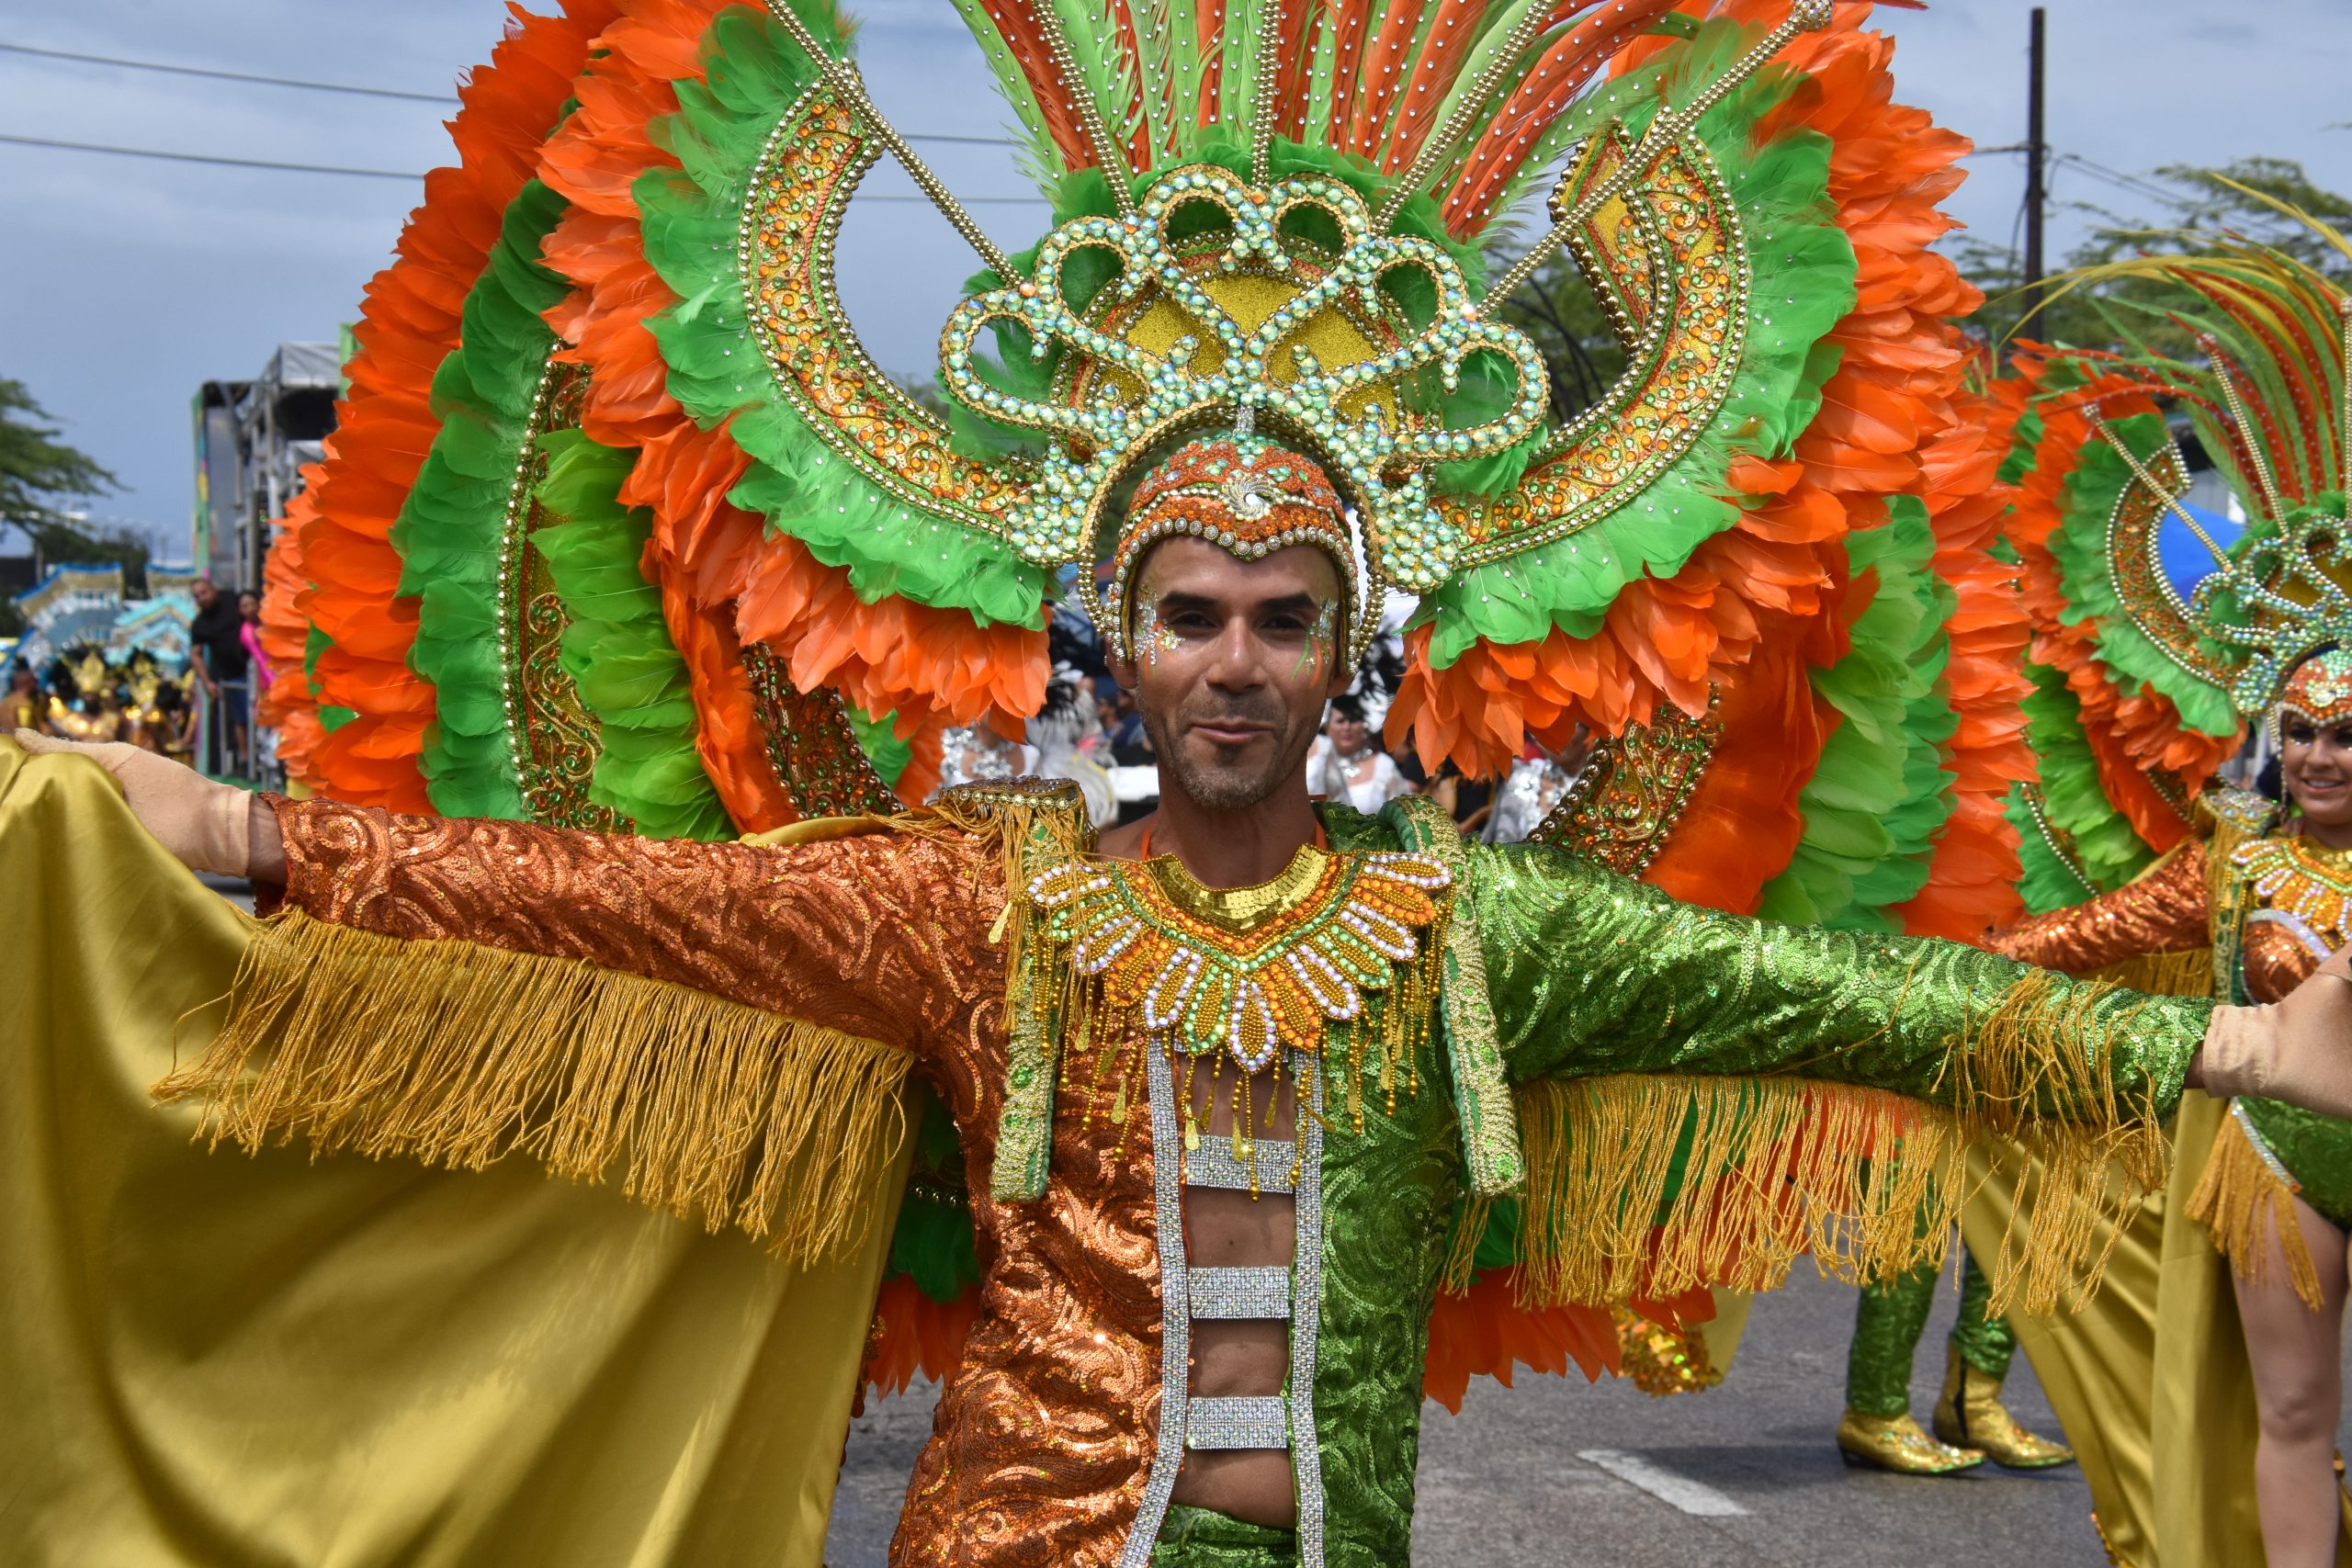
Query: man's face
{"x": 1234, "y": 662}
{"x": 204, "y": 593}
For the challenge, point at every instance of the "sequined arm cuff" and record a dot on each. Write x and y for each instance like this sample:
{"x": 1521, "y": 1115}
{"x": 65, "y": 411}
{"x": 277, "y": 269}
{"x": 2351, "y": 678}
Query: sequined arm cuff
{"x": 1592, "y": 973}
{"x": 2165, "y": 910}
{"x": 856, "y": 933}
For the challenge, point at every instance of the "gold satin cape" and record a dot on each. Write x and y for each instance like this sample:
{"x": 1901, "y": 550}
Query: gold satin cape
{"x": 207, "y": 1358}
{"x": 2149, "y": 1378}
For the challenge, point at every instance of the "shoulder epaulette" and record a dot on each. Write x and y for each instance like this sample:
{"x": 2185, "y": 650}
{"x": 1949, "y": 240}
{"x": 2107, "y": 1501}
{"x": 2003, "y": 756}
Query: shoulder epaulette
{"x": 994, "y": 799}
{"x": 2226, "y": 804}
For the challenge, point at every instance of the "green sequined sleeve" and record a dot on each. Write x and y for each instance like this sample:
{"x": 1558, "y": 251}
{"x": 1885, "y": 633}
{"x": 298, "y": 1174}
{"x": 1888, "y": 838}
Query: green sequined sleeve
{"x": 1591, "y": 974}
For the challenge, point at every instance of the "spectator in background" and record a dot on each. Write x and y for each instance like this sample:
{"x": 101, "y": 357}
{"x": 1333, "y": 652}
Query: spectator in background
{"x": 249, "y": 637}
{"x": 25, "y": 706}
{"x": 218, "y": 634}
{"x": 264, "y": 757}
{"x": 1345, "y": 765}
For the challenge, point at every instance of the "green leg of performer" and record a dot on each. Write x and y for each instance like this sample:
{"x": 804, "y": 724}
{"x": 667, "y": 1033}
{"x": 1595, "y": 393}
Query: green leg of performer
{"x": 1971, "y": 1423}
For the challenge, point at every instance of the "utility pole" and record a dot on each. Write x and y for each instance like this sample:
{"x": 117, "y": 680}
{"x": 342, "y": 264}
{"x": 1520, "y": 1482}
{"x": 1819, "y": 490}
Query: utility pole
{"x": 2036, "y": 192}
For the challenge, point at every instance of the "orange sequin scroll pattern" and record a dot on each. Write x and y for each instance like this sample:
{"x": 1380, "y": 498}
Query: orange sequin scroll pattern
{"x": 2276, "y": 961}
{"x": 875, "y": 935}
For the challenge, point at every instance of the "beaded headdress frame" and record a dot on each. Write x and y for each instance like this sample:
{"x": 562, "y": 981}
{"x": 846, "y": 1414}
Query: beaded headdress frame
{"x": 2284, "y": 591}
{"x": 1239, "y": 303}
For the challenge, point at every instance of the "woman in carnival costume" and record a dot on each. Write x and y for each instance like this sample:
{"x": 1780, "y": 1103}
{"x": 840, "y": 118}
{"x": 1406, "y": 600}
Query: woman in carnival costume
{"x": 1274, "y": 1115}
{"x": 2143, "y": 691}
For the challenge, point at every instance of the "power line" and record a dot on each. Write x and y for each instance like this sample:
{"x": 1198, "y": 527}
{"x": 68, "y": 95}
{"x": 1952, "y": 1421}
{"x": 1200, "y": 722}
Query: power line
{"x": 2132, "y": 183}
{"x": 209, "y": 158}
{"x": 158, "y": 65}
{"x": 283, "y": 167}
{"x": 356, "y": 91}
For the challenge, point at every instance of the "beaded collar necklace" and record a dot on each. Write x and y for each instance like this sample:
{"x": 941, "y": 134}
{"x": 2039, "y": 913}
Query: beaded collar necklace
{"x": 2304, "y": 879}
{"x": 1330, "y": 966}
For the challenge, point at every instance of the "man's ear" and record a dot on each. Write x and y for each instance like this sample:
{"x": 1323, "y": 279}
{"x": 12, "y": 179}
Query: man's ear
{"x": 1123, "y": 670}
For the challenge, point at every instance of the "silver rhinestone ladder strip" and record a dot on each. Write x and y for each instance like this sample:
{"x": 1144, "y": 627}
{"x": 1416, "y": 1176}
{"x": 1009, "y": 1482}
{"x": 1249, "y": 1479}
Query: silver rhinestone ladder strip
{"x": 1176, "y": 1324}
{"x": 1251, "y": 1421}
{"x": 1306, "y": 1312}
{"x": 1241, "y": 1293}
{"x": 1212, "y": 1165}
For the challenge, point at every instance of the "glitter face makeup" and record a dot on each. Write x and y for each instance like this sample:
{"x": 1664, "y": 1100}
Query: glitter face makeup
{"x": 1318, "y": 648}
{"x": 1152, "y": 638}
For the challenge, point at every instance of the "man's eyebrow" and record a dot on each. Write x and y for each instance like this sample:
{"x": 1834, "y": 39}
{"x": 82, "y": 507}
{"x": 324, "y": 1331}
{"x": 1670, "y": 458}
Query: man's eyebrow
{"x": 1177, "y": 599}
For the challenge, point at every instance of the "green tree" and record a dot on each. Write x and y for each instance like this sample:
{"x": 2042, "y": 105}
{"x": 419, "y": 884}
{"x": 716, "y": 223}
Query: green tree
{"x": 1558, "y": 312}
{"x": 2191, "y": 209}
{"x": 39, "y": 474}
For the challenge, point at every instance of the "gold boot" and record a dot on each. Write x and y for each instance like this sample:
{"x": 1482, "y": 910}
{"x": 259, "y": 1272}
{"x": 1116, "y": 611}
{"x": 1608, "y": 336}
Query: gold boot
{"x": 1896, "y": 1443}
{"x": 1970, "y": 1413}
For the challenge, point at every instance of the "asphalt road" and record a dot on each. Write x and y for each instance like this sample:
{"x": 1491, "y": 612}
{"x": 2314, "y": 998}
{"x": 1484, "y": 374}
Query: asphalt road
{"x": 1502, "y": 1483}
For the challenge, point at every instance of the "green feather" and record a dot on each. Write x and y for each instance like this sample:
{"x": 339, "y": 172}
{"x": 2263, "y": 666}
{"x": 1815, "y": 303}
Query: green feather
{"x": 452, "y": 527}
{"x": 618, "y": 648}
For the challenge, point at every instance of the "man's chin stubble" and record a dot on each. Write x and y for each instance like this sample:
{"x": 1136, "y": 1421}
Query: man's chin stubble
{"x": 1220, "y": 791}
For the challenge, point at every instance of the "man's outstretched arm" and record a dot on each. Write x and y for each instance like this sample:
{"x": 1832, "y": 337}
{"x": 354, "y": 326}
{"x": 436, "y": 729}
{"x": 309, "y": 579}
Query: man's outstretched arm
{"x": 1592, "y": 973}
{"x": 722, "y": 1028}
{"x": 877, "y": 935}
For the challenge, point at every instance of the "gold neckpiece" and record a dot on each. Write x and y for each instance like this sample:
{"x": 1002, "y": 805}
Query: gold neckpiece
{"x": 1247, "y": 970}
{"x": 2306, "y": 880}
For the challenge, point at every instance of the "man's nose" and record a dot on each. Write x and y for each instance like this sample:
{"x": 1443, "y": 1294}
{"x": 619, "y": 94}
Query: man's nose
{"x": 1238, "y": 663}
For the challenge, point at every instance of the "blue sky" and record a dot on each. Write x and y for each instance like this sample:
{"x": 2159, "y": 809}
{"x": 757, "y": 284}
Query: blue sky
{"x": 125, "y": 283}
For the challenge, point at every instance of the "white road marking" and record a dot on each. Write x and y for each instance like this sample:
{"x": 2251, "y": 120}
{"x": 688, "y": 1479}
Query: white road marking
{"x": 1674, "y": 1491}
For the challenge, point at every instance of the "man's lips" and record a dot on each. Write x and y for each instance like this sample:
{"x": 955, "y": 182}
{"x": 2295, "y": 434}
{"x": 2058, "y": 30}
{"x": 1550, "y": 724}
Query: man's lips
{"x": 1231, "y": 731}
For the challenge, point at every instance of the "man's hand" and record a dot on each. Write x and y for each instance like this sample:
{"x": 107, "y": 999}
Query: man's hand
{"x": 2298, "y": 1050}
{"x": 205, "y": 826}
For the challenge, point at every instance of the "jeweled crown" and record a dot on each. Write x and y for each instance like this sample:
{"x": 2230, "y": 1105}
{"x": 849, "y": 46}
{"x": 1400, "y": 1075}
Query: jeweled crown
{"x": 1136, "y": 377}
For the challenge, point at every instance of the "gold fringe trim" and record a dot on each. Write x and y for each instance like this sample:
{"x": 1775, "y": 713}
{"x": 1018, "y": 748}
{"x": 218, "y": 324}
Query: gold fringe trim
{"x": 1649, "y": 1185}
{"x": 2240, "y": 1203}
{"x": 457, "y": 1055}
{"x": 2185, "y": 974}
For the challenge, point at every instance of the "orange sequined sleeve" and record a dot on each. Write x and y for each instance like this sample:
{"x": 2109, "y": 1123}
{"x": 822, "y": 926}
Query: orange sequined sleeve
{"x": 2276, "y": 959}
{"x": 871, "y": 934}
{"x": 2165, "y": 910}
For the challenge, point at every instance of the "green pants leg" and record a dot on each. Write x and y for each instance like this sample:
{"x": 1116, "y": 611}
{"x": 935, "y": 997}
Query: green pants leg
{"x": 1984, "y": 1341}
{"x": 1197, "y": 1538}
{"x": 1888, "y": 1321}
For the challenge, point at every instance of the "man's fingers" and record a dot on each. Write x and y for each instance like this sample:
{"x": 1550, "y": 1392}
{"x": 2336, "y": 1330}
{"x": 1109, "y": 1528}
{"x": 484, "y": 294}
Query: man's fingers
{"x": 34, "y": 740}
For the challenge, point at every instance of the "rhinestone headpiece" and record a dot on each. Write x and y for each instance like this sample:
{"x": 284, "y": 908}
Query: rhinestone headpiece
{"x": 1247, "y": 496}
{"x": 2320, "y": 690}
{"x": 1125, "y": 390}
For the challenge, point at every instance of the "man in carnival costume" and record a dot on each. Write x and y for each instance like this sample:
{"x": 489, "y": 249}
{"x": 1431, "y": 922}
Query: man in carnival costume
{"x": 1237, "y": 1088}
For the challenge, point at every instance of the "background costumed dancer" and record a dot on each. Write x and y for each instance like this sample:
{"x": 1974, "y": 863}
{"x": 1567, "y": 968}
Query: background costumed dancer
{"x": 2142, "y": 688}
{"x": 656, "y": 548}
